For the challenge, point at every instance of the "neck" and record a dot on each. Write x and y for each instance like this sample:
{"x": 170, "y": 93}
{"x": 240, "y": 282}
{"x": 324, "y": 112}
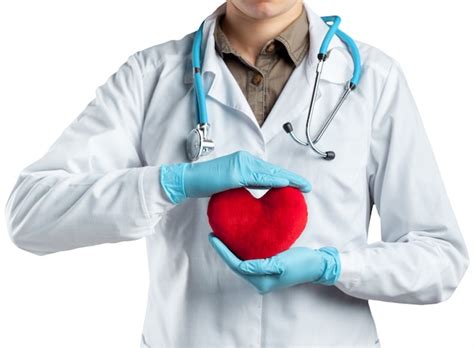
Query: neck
{"x": 248, "y": 35}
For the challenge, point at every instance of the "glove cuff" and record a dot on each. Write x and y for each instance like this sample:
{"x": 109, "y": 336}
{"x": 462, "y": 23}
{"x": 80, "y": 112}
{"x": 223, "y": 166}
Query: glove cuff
{"x": 332, "y": 268}
{"x": 172, "y": 181}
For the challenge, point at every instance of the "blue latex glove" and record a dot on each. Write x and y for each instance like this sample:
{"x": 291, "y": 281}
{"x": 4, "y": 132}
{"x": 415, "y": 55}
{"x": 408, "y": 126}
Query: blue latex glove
{"x": 203, "y": 179}
{"x": 293, "y": 266}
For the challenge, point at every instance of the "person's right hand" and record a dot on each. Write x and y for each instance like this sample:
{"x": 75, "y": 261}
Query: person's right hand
{"x": 239, "y": 169}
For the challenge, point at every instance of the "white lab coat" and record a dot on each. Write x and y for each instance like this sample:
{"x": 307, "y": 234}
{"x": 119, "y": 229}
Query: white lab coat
{"x": 99, "y": 183}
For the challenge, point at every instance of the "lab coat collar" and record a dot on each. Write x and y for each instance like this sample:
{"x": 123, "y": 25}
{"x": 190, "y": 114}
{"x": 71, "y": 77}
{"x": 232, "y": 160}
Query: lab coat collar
{"x": 220, "y": 84}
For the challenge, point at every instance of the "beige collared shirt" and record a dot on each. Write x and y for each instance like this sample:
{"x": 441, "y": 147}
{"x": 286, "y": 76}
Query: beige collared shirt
{"x": 263, "y": 82}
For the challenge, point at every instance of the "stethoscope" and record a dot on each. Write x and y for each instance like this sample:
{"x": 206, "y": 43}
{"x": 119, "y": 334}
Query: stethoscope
{"x": 198, "y": 143}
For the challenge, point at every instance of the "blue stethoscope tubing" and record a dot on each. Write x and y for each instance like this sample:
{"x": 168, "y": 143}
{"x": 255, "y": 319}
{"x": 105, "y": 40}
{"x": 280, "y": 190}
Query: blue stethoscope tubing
{"x": 351, "y": 45}
{"x": 198, "y": 86}
{"x": 198, "y": 144}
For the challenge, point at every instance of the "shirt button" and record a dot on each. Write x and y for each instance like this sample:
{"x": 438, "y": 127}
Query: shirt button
{"x": 256, "y": 79}
{"x": 270, "y": 48}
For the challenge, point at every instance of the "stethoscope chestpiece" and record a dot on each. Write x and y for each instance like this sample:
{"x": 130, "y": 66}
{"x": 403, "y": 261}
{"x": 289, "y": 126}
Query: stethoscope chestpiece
{"x": 197, "y": 143}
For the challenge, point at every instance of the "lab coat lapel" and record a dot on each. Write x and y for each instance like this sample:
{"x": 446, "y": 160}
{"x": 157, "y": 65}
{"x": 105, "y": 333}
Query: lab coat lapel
{"x": 218, "y": 80}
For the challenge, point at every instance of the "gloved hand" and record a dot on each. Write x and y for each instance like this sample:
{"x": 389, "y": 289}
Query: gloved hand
{"x": 203, "y": 179}
{"x": 290, "y": 267}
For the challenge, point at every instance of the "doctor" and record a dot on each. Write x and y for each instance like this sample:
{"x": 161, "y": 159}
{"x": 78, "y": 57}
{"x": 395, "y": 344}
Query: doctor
{"x": 119, "y": 172}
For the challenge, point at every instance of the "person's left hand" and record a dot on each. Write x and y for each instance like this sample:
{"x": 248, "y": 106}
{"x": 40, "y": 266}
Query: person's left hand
{"x": 290, "y": 267}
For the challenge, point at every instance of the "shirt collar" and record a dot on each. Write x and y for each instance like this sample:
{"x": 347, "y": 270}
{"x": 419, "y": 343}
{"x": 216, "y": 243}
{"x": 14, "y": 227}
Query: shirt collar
{"x": 294, "y": 39}
{"x": 337, "y": 69}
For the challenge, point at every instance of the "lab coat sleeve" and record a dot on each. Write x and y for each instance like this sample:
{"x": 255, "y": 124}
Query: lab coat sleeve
{"x": 422, "y": 255}
{"x": 91, "y": 186}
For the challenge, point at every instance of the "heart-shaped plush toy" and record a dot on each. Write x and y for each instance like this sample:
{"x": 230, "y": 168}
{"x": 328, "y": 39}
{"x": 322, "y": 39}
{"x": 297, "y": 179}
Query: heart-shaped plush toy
{"x": 258, "y": 228}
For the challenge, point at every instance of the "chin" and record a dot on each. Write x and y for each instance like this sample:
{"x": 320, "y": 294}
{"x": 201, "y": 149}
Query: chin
{"x": 261, "y": 9}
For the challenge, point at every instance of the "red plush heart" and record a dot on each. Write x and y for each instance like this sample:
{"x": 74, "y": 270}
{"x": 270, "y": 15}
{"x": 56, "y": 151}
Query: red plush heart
{"x": 258, "y": 228}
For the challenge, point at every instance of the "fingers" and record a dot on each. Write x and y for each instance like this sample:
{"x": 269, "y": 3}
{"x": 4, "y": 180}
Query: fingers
{"x": 263, "y": 173}
{"x": 266, "y": 181}
{"x": 224, "y": 252}
{"x": 266, "y": 266}
{"x": 296, "y": 180}
{"x": 238, "y": 169}
{"x": 281, "y": 178}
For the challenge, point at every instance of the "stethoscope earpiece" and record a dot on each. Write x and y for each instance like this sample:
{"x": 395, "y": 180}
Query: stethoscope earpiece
{"x": 330, "y": 155}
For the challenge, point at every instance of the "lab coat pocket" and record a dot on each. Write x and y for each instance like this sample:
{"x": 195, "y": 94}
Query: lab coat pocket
{"x": 337, "y": 201}
{"x": 351, "y": 153}
{"x": 345, "y": 176}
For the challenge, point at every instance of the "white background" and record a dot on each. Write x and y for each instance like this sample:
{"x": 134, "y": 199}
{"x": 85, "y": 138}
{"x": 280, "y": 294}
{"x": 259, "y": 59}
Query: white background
{"x": 54, "y": 54}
